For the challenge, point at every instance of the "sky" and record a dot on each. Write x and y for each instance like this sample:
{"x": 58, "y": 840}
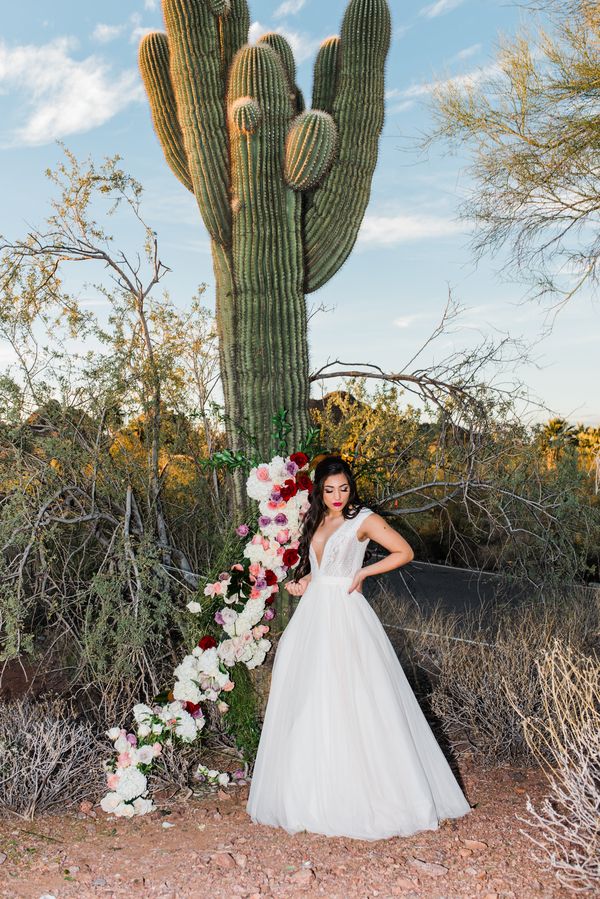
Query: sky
{"x": 68, "y": 71}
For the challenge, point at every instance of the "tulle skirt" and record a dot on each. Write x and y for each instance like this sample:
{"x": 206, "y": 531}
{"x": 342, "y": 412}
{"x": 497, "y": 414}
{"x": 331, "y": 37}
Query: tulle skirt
{"x": 345, "y": 749}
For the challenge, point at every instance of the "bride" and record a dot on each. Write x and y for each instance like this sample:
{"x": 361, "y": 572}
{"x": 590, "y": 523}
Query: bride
{"x": 345, "y": 749}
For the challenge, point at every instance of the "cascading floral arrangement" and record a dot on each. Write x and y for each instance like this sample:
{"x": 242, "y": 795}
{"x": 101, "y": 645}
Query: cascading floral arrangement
{"x": 282, "y": 488}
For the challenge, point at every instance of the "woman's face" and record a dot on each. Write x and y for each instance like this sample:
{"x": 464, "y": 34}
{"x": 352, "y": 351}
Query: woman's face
{"x": 336, "y": 492}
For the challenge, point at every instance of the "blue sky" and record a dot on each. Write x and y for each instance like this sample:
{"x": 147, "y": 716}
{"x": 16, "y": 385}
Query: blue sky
{"x": 68, "y": 71}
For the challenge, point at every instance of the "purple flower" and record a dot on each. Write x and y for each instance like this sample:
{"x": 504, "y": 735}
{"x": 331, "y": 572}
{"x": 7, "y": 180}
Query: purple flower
{"x": 264, "y": 521}
{"x": 291, "y": 467}
{"x": 224, "y": 576}
{"x": 276, "y": 496}
{"x": 281, "y": 518}
{"x": 198, "y": 714}
{"x": 219, "y": 618}
{"x": 239, "y": 773}
{"x": 269, "y": 613}
{"x": 132, "y": 739}
{"x": 261, "y": 583}
{"x": 242, "y": 530}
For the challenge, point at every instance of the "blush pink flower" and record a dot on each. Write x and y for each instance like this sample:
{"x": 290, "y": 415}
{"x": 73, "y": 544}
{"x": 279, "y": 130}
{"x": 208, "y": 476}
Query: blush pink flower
{"x": 213, "y": 589}
{"x": 238, "y": 567}
{"x": 228, "y": 686}
{"x": 123, "y": 760}
{"x": 255, "y": 594}
{"x": 262, "y": 473}
{"x": 112, "y": 781}
{"x": 255, "y": 569}
{"x": 257, "y": 539}
{"x": 157, "y": 748}
{"x": 283, "y": 536}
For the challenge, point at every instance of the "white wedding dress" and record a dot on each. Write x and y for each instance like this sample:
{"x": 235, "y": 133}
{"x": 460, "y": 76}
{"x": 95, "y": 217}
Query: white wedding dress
{"x": 345, "y": 749}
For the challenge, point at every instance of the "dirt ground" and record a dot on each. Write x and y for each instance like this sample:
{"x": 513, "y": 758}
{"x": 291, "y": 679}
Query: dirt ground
{"x": 210, "y": 848}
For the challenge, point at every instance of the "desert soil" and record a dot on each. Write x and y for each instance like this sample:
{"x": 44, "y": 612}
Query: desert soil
{"x": 209, "y": 848}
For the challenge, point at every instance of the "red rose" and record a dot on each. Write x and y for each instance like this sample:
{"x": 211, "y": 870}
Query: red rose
{"x": 269, "y": 600}
{"x": 304, "y": 481}
{"x": 300, "y": 459}
{"x": 207, "y": 642}
{"x": 192, "y": 707}
{"x": 270, "y": 577}
{"x": 290, "y": 557}
{"x": 288, "y": 489}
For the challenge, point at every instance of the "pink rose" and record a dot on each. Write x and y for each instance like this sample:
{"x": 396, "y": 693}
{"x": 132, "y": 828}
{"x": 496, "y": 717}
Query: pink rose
{"x": 254, "y": 569}
{"x": 112, "y": 781}
{"x": 262, "y": 473}
{"x": 237, "y": 567}
{"x": 256, "y": 539}
{"x": 123, "y": 760}
{"x": 228, "y": 686}
{"x": 157, "y": 748}
{"x": 265, "y": 543}
{"x": 255, "y": 594}
{"x": 283, "y": 536}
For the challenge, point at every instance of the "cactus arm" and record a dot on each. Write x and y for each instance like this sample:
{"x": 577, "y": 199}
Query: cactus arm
{"x": 337, "y": 207}
{"x": 194, "y": 42}
{"x": 233, "y": 27}
{"x": 325, "y": 74}
{"x": 282, "y": 47}
{"x": 153, "y": 60}
{"x": 309, "y": 149}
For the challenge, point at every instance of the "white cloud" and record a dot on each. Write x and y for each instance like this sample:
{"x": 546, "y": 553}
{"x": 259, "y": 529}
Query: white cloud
{"x": 405, "y": 321}
{"x": 138, "y": 30}
{"x": 439, "y": 8}
{"x": 62, "y": 95}
{"x": 390, "y": 230}
{"x": 302, "y": 44}
{"x": 106, "y": 33}
{"x": 150, "y": 4}
{"x": 289, "y": 8}
{"x": 473, "y": 50}
{"x": 467, "y": 79}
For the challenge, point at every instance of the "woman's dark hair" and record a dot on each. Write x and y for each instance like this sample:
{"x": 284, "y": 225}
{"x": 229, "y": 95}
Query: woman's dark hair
{"x": 328, "y": 466}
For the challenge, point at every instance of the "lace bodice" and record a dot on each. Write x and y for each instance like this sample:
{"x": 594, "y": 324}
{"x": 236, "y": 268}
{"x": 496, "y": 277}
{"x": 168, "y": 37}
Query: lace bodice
{"x": 343, "y": 553}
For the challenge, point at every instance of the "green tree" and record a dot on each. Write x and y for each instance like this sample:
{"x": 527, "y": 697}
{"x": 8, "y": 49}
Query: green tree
{"x": 533, "y": 130}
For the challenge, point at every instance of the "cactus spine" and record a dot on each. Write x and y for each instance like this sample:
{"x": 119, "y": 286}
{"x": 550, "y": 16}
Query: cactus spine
{"x": 282, "y": 190}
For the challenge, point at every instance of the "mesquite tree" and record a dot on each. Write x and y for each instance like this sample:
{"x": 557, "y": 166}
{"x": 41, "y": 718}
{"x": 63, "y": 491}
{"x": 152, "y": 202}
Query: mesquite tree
{"x": 282, "y": 190}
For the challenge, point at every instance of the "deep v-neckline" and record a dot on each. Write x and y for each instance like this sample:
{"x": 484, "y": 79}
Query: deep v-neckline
{"x": 325, "y": 545}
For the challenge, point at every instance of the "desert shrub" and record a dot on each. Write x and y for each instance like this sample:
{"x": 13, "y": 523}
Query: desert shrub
{"x": 48, "y": 759}
{"x": 565, "y": 738}
{"x": 469, "y": 669}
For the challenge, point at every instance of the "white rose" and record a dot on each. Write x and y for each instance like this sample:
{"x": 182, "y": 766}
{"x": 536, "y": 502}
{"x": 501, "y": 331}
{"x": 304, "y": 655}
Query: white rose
{"x": 157, "y": 728}
{"x": 186, "y": 727}
{"x": 114, "y": 733}
{"x": 124, "y": 810}
{"x": 110, "y": 802}
{"x": 132, "y": 783}
{"x": 223, "y": 779}
{"x": 141, "y": 712}
{"x": 144, "y": 730}
{"x": 186, "y": 691}
{"x": 142, "y": 806}
{"x": 145, "y": 755}
{"x": 121, "y": 744}
{"x": 194, "y": 607}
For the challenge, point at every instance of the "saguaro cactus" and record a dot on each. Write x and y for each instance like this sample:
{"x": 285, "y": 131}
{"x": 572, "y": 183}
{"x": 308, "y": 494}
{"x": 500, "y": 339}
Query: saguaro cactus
{"x": 282, "y": 190}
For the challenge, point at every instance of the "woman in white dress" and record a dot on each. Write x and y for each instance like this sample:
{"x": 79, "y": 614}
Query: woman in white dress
{"x": 345, "y": 749}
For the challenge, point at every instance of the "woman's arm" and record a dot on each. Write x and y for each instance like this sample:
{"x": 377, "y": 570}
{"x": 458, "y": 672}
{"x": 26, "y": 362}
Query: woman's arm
{"x": 400, "y": 551}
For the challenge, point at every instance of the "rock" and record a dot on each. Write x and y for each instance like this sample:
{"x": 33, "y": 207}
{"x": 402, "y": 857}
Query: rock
{"x": 72, "y": 869}
{"x": 477, "y": 845}
{"x": 465, "y": 853}
{"x": 405, "y": 883}
{"x": 86, "y": 807}
{"x": 303, "y": 877}
{"x": 240, "y": 859}
{"x": 167, "y": 824}
{"x": 222, "y": 859}
{"x": 490, "y": 896}
{"x": 99, "y": 882}
{"x": 427, "y": 867}
{"x": 2, "y": 857}
{"x": 222, "y": 794}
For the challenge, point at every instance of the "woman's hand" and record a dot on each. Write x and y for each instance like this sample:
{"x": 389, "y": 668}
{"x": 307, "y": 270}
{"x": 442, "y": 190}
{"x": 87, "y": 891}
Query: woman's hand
{"x": 296, "y": 589}
{"x": 357, "y": 581}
